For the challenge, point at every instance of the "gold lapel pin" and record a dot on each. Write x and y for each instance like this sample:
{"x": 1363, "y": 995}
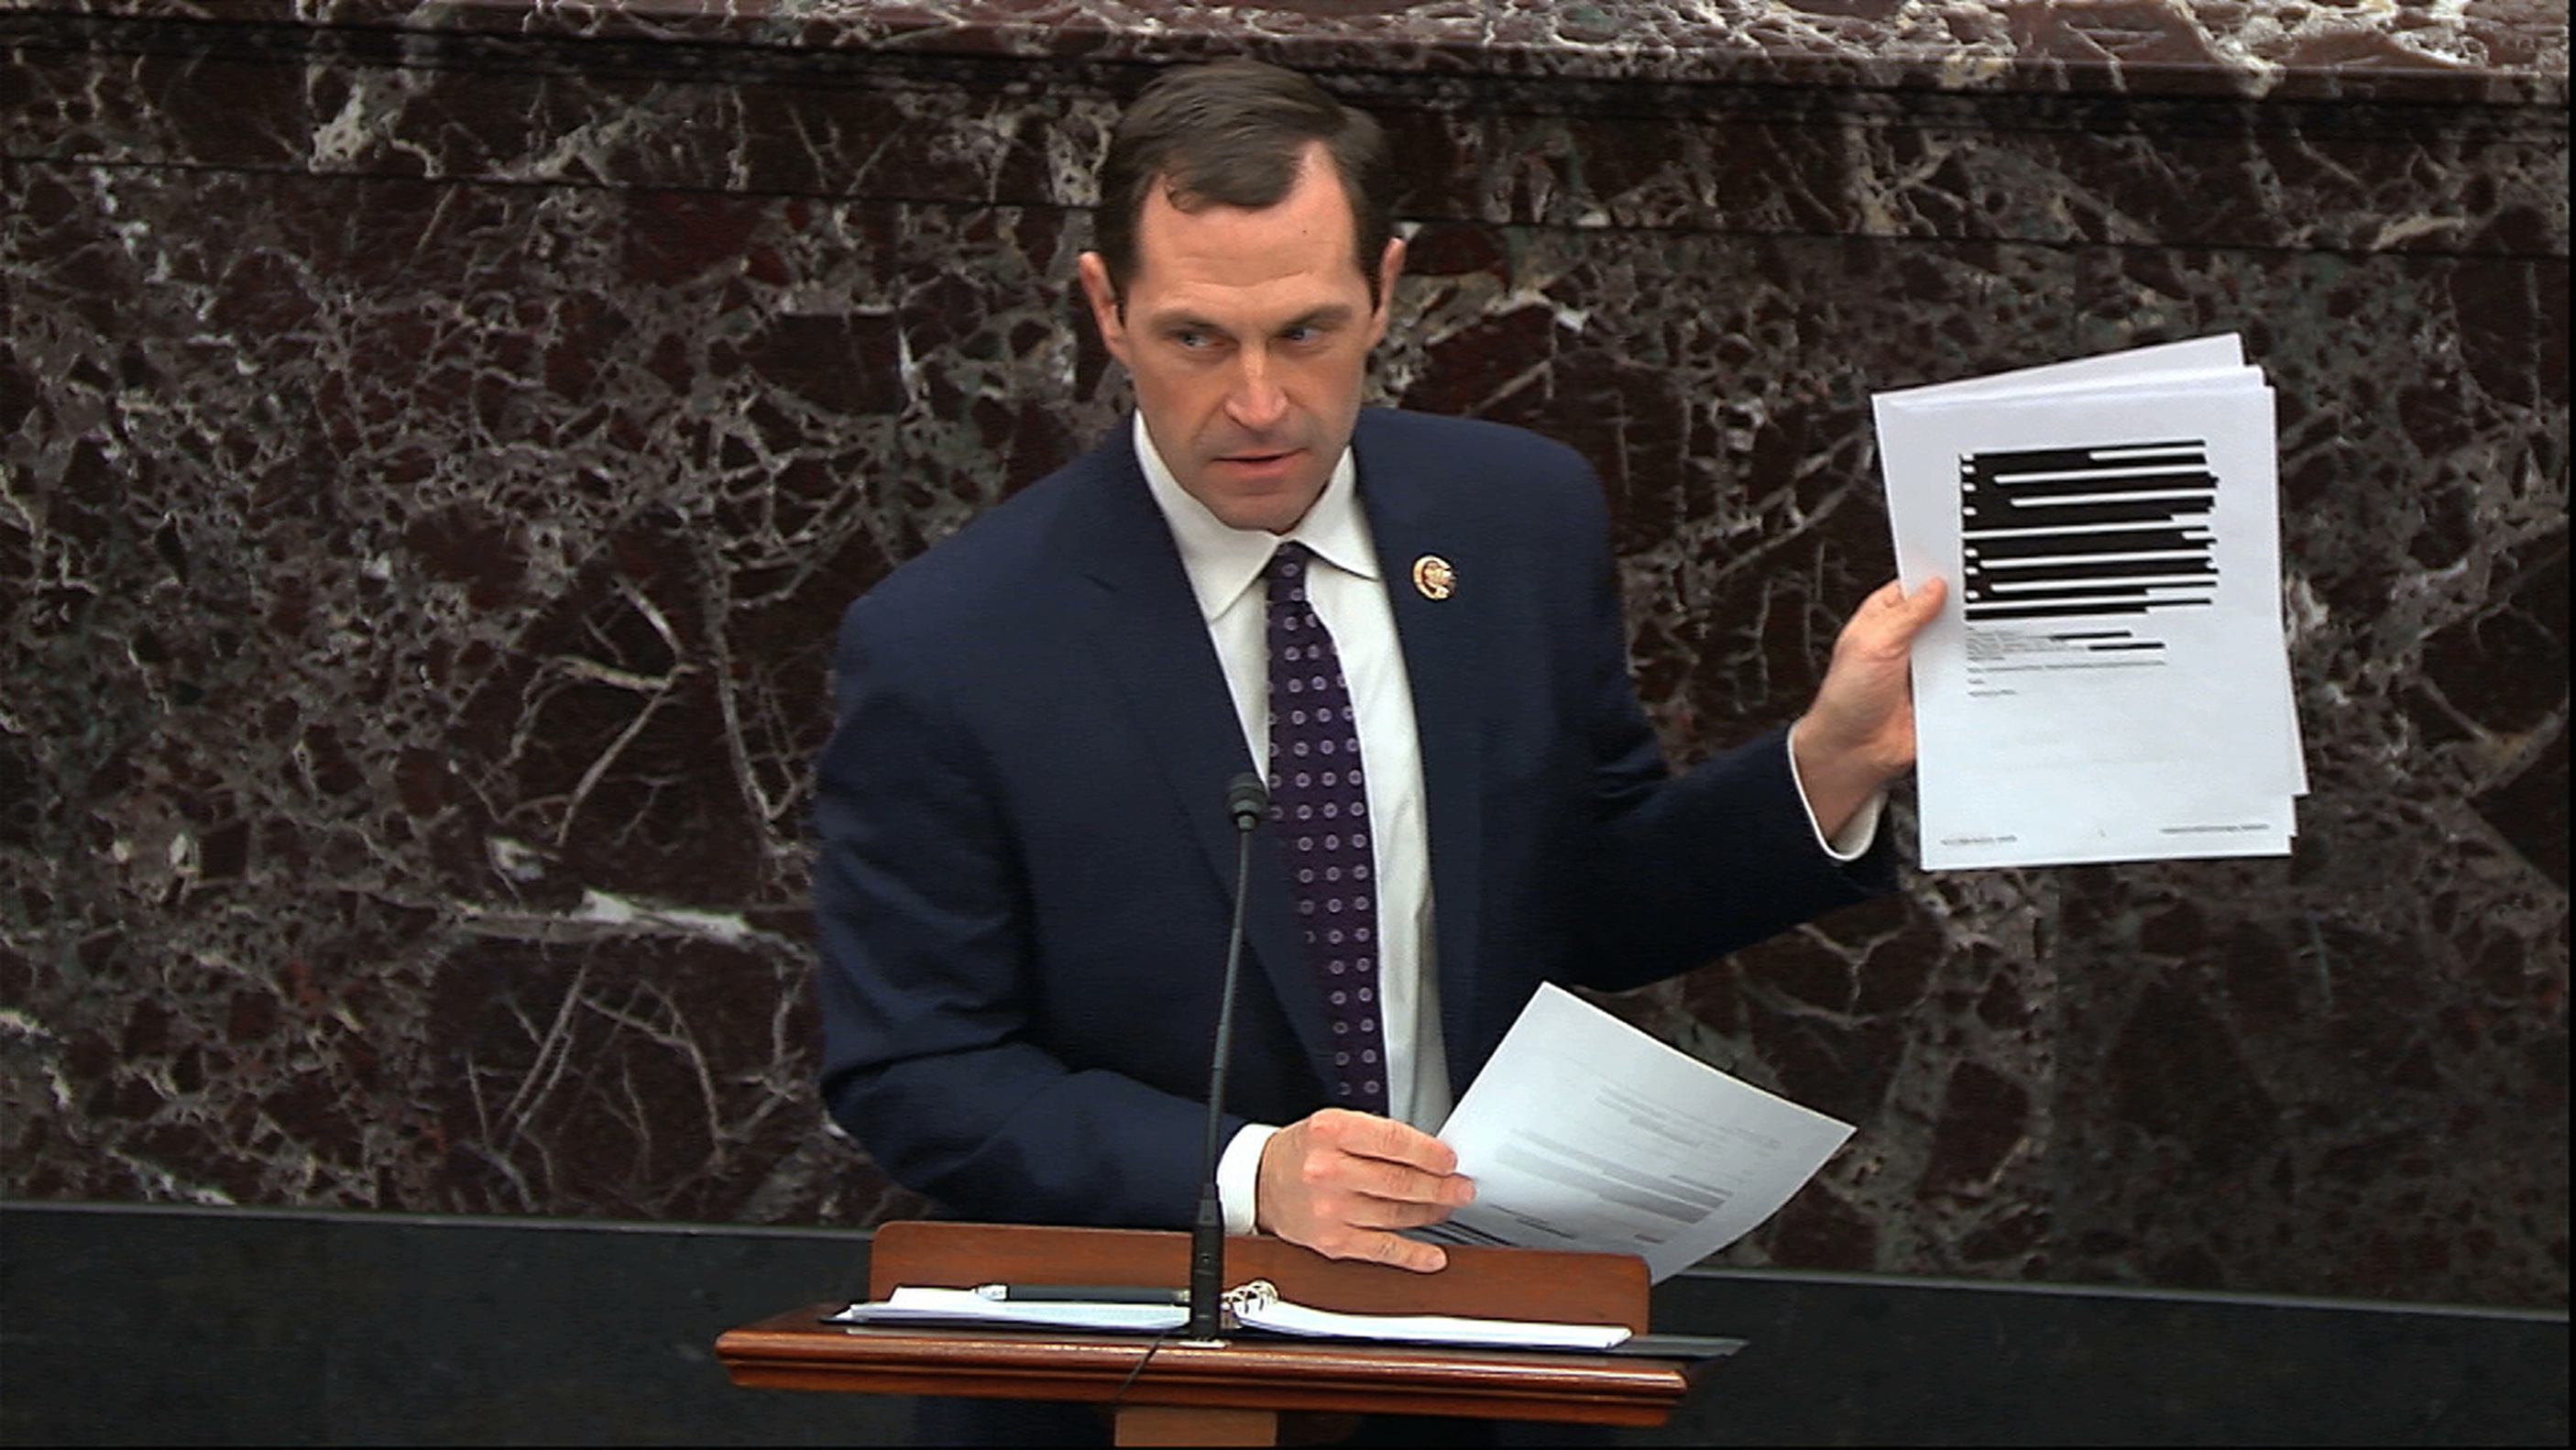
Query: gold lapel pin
{"x": 1436, "y": 577}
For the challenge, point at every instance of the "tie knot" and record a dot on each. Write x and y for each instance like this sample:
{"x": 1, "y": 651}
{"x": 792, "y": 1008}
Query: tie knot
{"x": 1290, "y": 560}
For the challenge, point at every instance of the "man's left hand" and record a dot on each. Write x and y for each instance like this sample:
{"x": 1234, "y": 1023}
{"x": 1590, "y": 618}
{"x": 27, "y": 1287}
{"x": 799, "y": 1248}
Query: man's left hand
{"x": 1859, "y": 733}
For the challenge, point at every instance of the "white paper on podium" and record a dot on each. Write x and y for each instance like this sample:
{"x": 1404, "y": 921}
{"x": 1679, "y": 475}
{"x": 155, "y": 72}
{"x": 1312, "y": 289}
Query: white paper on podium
{"x": 2109, "y": 682}
{"x": 1256, "y": 1305}
{"x": 1584, "y": 1133}
{"x": 915, "y": 1305}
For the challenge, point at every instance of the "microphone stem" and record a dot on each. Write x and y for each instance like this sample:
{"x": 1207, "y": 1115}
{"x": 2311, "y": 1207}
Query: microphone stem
{"x": 1207, "y": 1234}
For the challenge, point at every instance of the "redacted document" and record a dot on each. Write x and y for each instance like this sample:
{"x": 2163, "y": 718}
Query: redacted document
{"x": 2110, "y": 680}
{"x": 1584, "y": 1133}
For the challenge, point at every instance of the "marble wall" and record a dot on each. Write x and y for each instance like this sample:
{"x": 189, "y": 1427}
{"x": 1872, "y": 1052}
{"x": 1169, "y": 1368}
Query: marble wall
{"x": 439, "y": 439}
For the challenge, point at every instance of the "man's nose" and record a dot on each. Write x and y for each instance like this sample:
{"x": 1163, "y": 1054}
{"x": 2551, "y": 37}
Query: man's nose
{"x": 1256, "y": 399}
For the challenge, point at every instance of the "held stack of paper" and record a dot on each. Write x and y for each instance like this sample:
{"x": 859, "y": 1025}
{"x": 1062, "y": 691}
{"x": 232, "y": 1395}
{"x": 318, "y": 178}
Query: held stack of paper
{"x": 1584, "y": 1133}
{"x": 2109, "y": 681}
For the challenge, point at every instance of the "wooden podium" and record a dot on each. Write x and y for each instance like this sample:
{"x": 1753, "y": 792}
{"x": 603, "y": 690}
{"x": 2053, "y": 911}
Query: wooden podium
{"x": 1238, "y": 1391}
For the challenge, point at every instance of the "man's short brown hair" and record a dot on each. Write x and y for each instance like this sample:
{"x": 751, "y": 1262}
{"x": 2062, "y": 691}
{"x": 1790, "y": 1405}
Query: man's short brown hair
{"x": 1231, "y": 133}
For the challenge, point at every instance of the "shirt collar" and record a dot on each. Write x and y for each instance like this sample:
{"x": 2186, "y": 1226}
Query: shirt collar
{"x": 1222, "y": 561}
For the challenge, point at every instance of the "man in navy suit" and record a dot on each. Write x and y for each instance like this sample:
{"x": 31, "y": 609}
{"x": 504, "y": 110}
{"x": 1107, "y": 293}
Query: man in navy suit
{"x": 1026, "y": 866}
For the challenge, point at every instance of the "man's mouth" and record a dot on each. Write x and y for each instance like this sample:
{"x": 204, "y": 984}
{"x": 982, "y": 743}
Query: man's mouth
{"x": 1257, "y": 460}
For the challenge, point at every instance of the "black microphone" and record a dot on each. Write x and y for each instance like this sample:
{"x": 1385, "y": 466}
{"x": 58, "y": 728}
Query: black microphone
{"x": 1246, "y": 801}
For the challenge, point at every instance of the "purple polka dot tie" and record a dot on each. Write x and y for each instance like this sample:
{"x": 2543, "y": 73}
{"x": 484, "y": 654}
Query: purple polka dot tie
{"x": 1320, "y": 807}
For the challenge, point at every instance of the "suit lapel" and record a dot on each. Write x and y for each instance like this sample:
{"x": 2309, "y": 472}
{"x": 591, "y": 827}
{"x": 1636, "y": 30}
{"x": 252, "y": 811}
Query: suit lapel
{"x": 1442, "y": 660}
{"x": 1153, "y": 644}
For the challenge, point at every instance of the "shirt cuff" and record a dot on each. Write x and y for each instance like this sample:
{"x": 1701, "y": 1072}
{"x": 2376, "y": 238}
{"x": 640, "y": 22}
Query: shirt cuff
{"x": 1851, "y": 842}
{"x": 1238, "y": 1175}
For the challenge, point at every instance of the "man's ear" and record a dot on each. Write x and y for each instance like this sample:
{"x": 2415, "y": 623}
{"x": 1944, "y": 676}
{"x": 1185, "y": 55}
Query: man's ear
{"x": 1103, "y": 297}
{"x": 1390, "y": 265}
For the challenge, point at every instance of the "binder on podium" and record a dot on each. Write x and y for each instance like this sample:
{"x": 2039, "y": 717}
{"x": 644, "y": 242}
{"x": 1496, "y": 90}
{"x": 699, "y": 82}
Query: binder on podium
{"x": 1235, "y": 1390}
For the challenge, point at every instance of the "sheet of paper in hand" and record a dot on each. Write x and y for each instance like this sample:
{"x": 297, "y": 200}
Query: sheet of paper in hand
{"x": 1585, "y": 1133}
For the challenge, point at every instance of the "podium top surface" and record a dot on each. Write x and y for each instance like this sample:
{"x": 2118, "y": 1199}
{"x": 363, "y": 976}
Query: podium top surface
{"x": 797, "y": 1350}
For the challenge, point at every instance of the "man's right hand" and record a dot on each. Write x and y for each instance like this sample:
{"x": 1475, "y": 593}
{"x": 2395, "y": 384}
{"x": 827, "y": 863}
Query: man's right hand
{"x": 1341, "y": 1182}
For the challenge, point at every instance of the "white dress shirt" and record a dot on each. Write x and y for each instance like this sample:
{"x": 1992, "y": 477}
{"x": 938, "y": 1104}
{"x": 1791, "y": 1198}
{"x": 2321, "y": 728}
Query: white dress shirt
{"x": 1348, "y": 593}
{"x": 1225, "y": 566}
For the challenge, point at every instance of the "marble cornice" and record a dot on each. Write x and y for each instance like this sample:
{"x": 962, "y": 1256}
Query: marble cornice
{"x": 550, "y": 107}
{"x": 2417, "y": 51}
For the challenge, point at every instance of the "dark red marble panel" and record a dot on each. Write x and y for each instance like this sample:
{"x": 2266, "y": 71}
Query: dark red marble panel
{"x": 431, "y": 466}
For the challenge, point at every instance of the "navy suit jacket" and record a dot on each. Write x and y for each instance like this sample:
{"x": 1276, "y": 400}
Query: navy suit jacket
{"x": 1026, "y": 866}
